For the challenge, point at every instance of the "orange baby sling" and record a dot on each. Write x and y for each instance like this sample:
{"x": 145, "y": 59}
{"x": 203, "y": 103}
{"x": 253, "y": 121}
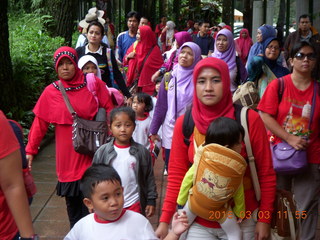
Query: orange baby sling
{"x": 218, "y": 174}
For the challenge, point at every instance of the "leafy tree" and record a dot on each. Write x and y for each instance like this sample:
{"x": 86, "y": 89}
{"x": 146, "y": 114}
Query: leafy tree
{"x": 7, "y": 90}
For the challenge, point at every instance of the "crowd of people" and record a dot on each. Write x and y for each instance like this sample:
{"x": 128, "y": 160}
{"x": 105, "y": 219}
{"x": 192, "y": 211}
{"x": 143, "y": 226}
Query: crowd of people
{"x": 173, "y": 89}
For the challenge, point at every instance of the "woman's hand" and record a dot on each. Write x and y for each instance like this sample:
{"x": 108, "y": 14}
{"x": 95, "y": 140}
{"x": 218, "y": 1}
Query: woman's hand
{"x": 297, "y": 142}
{"x": 162, "y": 230}
{"x": 262, "y": 231}
{"x": 131, "y": 55}
{"x": 155, "y": 137}
{"x": 155, "y": 76}
{"x": 150, "y": 210}
{"x": 29, "y": 159}
{"x": 164, "y": 29}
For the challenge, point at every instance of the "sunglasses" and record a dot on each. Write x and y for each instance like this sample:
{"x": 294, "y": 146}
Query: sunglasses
{"x": 302, "y": 56}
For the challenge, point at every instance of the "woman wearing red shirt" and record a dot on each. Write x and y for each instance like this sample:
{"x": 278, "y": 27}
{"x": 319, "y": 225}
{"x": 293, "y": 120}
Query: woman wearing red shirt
{"x": 213, "y": 99}
{"x": 51, "y": 108}
{"x": 288, "y": 120}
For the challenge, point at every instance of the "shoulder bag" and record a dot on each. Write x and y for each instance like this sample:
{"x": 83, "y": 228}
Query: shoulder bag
{"x": 288, "y": 160}
{"x": 87, "y": 135}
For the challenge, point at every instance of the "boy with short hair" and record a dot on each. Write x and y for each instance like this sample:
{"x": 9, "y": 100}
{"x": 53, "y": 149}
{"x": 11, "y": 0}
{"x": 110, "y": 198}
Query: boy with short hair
{"x": 103, "y": 195}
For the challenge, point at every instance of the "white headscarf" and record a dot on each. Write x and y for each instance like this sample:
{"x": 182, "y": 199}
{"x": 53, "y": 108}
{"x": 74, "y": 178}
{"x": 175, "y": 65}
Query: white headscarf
{"x": 170, "y": 32}
{"x": 88, "y": 58}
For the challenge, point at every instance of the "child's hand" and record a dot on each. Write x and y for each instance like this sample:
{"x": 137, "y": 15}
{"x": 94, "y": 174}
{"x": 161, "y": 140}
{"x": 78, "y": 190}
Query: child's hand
{"x": 150, "y": 210}
{"x": 180, "y": 223}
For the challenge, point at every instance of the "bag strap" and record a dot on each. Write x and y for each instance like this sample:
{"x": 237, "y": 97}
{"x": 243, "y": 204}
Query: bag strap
{"x": 66, "y": 99}
{"x": 280, "y": 89}
{"x": 290, "y": 217}
{"x": 110, "y": 65}
{"x": 187, "y": 126}
{"x": 252, "y": 164}
{"x": 144, "y": 60}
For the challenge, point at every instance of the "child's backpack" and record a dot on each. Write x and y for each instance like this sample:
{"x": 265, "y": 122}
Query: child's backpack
{"x": 218, "y": 175}
{"x": 241, "y": 116}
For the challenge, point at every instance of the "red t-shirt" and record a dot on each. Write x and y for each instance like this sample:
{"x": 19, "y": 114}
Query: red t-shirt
{"x": 181, "y": 158}
{"x": 293, "y": 113}
{"x": 8, "y": 144}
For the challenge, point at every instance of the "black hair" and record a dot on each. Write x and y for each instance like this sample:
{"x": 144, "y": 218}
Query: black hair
{"x": 146, "y": 99}
{"x": 202, "y": 22}
{"x": 158, "y": 80}
{"x": 135, "y": 15}
{"x": 126, "y": 110}
{"x": 296, "y": 47}
{"x": 224, "y": 131}
{"x": 304, "y": 16}
{"x": 98, "y": 24}
{"x": 96, "y": 174}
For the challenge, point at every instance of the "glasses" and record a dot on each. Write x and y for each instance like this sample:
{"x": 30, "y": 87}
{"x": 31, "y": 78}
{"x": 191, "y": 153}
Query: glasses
{"x": 273, "y": 47}
{"x": 302, "y": 56}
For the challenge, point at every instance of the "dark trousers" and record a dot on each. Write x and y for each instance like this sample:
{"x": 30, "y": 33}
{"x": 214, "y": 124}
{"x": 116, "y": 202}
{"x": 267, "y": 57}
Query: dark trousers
{"x": 76, "y": 209}
{"x": 167, "y": 156}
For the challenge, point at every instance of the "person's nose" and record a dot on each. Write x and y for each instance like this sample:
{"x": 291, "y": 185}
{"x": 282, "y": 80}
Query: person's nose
{"x": 113, "y": 202}
{"x": 208, "y": 86}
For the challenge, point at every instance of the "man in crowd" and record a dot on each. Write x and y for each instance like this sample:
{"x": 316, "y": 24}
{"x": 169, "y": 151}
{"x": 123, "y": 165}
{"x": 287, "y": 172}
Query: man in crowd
{"x": 125, "y": 39}
{"x": 306, "y": 33}
{"x": 203, "y": 39}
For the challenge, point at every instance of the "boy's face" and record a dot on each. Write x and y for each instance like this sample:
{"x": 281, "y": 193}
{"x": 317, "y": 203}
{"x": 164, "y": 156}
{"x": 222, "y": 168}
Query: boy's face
{"x": 106, "y": 200}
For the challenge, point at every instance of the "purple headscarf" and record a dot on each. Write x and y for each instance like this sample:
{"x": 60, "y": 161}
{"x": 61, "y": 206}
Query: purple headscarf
{"x": 228, "y": 56}
{"x": 183, "y": 77}
{"x": 182, "y": 37}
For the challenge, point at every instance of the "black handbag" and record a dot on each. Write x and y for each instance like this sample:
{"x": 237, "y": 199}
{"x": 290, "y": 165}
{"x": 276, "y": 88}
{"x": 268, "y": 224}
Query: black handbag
{"x": 87, "y": 135}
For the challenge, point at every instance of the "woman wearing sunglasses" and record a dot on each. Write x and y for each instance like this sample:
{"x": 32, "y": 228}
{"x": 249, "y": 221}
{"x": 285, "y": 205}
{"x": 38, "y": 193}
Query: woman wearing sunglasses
{"x": 287, "y": 119}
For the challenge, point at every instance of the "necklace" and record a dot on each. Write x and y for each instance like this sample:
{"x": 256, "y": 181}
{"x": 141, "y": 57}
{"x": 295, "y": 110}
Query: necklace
{"x": 72, "y": 88}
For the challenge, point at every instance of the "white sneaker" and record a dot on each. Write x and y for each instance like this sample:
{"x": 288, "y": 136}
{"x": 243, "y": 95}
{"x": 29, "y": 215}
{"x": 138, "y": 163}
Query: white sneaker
{"x": 165, "y": 173}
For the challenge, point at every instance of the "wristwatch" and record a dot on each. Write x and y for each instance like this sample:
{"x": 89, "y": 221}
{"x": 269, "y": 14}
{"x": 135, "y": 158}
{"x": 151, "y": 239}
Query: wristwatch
{"x": 33, "y": 237}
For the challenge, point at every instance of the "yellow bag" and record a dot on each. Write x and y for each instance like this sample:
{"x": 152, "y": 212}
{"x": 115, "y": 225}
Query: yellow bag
{"x": 218, "y": 175}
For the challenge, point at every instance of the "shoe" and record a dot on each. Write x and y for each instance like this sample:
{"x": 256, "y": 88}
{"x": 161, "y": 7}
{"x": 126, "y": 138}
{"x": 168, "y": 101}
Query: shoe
{"x": 165, "y": 173}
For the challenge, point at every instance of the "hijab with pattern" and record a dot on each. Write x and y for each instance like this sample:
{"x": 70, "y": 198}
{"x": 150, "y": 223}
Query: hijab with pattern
{"x": 51, "y": 106}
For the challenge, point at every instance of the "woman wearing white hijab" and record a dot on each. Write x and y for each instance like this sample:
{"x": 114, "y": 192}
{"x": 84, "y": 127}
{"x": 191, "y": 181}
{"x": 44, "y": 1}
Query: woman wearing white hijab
{"x": 89, "y": 64}
{"x": 167, "y": 36}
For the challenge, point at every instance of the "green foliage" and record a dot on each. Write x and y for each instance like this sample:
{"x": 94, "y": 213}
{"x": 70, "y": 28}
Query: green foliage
{"x": 31, "y": 52}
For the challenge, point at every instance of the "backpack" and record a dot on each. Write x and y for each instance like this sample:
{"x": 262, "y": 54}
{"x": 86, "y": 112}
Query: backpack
{"x": 188, "y": 123}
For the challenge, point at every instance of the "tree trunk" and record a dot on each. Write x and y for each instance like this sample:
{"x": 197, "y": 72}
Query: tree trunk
{"x": 227, "y": 13}
{"x": 7, "y": 90}
{"x": 247, "y": 15}
{"x": 64, "y": 13}
{"x": 281, "y": 21}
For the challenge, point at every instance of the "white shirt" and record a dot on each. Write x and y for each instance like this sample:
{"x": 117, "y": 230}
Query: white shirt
{"x": 82, "y": 39}
{"x": 126, "y": 164}
{"x": 142, "y": 131}
{"x": 131, "y": 225}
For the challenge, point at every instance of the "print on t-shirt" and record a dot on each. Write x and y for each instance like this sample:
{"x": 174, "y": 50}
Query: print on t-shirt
{"x": 297, "y": 119}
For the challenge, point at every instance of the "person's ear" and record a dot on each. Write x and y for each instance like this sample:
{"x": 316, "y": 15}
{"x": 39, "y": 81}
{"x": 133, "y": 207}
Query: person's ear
{"x": 88, "y": 204}
{"x": 291, "y": 61}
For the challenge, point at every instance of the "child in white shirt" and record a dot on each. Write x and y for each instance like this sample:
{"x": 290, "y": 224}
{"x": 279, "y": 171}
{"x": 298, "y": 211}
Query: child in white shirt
{"x": 103, "y": 195}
